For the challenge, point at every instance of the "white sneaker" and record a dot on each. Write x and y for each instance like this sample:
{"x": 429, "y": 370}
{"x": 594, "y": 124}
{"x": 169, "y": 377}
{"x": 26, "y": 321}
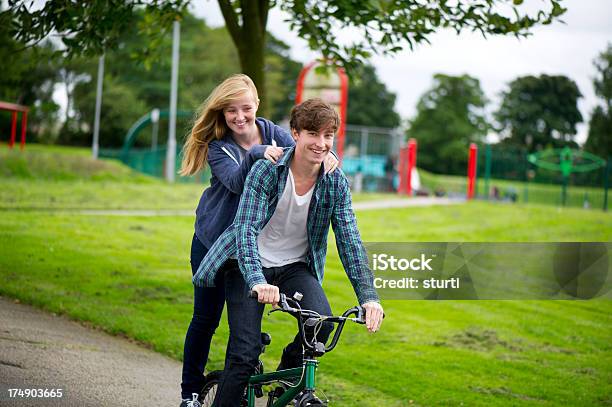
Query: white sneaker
{"x": 191, "y": 403}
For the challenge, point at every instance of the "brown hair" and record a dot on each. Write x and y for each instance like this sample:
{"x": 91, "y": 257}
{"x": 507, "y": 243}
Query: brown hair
{"x": 314, "y": 115}
{"x": 210, "y": 122}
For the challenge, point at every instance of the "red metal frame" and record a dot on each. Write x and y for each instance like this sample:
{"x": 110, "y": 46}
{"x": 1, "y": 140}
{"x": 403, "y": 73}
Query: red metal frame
{"x": 472, "y": 170}
{"x": 11, "y": 107}
{"x": 299, "y": 93}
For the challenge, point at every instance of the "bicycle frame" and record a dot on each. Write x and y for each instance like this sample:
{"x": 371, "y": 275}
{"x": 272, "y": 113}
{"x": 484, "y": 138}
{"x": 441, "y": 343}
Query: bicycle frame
{"x": 306, "y": 376}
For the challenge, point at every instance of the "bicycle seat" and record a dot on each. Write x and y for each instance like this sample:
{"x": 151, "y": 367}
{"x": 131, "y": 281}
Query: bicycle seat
{"x": 266, "y": 339}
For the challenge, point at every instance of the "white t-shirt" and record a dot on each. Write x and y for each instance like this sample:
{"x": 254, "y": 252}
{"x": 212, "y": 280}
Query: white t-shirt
{"x": 284, "y": 239}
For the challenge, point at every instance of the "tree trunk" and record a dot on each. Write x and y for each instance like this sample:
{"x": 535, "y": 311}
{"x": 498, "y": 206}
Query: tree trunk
{"x": 250, "y": 40}
{"x": 252, "y": 64}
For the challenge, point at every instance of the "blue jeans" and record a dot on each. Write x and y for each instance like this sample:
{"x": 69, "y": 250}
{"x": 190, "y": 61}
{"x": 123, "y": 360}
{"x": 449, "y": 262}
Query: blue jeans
{"x": 207, "y": 310}
{"x": 244, "y": 318}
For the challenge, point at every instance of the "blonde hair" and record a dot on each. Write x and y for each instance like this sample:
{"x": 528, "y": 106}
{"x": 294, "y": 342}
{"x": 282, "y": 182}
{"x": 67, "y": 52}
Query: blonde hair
{"x": 210, "y": 123}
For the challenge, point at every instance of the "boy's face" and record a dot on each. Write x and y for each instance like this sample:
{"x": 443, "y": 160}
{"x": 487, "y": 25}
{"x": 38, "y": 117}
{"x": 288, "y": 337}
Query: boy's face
{"x": 313, "y": 146}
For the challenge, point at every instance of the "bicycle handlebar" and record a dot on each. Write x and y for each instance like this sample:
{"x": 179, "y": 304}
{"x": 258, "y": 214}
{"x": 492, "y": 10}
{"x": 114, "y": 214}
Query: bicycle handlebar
{"x": 292, "y": 306}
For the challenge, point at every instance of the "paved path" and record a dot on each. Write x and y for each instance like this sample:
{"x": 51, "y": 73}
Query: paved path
{"x": 44, "y": 351}
{"x": 40, "y": 350}
{"x": 358, "y": 206}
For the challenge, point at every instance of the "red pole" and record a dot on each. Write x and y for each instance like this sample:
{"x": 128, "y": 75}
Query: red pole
{"x": 24, "y": 123}
{"x": 13, "y": 128}
{"x": 343, "y": 110}
{"x": 412, "y": 150}
{"x": 472, "y": 170}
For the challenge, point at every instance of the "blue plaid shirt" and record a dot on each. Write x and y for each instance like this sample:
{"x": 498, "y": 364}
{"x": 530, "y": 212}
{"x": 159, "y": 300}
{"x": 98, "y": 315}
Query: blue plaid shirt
{"x": 330, "y": 203}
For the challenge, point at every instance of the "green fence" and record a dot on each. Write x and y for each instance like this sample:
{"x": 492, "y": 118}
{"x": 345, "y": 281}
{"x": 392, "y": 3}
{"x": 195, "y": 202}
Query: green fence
{"x": 152, "y": 161}
{"x": 507, "y": 174}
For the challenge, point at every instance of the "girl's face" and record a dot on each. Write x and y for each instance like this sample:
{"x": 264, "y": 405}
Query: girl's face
{"x": 240, "y": 115}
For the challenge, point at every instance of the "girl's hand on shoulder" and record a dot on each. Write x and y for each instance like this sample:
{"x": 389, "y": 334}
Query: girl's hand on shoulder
{"x": 330, "y": 163}
{"x": 273, "y": 153}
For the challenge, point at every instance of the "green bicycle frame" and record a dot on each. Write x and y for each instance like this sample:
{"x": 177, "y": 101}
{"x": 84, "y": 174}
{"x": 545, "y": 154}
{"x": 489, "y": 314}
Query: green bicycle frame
{"x": 306, "y": 382}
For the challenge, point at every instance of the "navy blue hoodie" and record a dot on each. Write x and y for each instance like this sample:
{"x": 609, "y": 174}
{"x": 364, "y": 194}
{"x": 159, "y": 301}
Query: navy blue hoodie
{"x": 219, "y": 202}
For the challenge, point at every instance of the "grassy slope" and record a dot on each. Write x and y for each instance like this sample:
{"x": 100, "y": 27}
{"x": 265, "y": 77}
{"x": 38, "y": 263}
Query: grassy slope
{"x": 129, "y": 275}
{"x": 54, "y": 177}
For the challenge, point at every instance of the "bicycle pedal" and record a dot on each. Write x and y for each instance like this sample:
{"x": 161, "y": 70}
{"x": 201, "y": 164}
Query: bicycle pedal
{"x": 273, "y": 395}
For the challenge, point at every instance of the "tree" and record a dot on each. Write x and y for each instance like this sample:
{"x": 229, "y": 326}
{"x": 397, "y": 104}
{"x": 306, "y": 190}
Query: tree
{"x": 364, "y": 88}
{"x": 599, "y": 141}
{"x": 382, "y": 27}
{"x": 151, "y": 87}
{"x": 449, "y": 117}
{"x": 282, "y": 74}
{"x": 28, "y": 78}
{"x": 121, "y": 107}
{"x": 539, "y": 112}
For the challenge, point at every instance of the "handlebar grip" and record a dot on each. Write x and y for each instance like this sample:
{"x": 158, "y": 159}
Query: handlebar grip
{"x": 361, "y": 315}
{"x": 253, "y": 294}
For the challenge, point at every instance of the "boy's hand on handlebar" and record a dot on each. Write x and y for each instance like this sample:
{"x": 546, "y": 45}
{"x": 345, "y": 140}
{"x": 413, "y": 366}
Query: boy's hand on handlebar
{"x": 374, "y": 315}
{"x": 267, "y": 293}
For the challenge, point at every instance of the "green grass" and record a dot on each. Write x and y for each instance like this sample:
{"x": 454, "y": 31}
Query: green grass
{"x": 131, "y": 276}
{"x": 57, "y": 177}
{"x": 60, "y": 163}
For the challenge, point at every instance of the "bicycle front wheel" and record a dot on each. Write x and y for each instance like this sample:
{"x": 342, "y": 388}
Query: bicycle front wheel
{"x": 209, "y": 390}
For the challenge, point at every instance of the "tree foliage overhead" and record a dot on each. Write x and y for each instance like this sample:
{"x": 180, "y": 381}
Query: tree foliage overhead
{"x": 539, "y": 112}
{"x": 388, "y": 26}
{"x": 599, "y": 140}
{"x": 383, "y": 26}
{"x": 90, "y": 27}
{"x": 449, "y": 117}
{"x": 131, "y": 91}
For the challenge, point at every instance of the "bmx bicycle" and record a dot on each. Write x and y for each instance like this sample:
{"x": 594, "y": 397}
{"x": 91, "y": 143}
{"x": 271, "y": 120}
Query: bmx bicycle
{"x": 296, "y": 385}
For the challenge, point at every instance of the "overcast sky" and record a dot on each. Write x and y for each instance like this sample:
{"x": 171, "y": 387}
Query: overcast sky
{"x": 566, "y": 49}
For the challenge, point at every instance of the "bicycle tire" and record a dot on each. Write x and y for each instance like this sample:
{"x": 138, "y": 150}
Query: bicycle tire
{"x": 209, "y": 389}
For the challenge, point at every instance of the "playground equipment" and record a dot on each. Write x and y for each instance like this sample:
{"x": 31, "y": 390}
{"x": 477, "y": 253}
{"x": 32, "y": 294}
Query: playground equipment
{"x": 562, "y": 177}
{"x": 14, "y": 109}
{"x": 149, "y": 160}
{"x": 370, "y": 155}
{"x": 151, "y": 118}
{"x": 567, "y": 161}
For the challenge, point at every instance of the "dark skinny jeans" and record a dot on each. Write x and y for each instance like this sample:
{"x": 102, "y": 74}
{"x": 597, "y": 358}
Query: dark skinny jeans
{"x": 207, "y": 310}
{"x": 244, "y": 318}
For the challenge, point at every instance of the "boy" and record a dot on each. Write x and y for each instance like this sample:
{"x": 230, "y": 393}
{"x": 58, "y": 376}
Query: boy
{"x": 279, "y": 236}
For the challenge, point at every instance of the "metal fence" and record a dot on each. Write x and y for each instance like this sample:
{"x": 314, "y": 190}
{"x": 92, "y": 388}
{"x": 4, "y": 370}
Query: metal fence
{"x": 370, "y": 154}
{"x": 367, "y": 152}
{"x": 506, "y": 173}
{"x": 152, "y": 161}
